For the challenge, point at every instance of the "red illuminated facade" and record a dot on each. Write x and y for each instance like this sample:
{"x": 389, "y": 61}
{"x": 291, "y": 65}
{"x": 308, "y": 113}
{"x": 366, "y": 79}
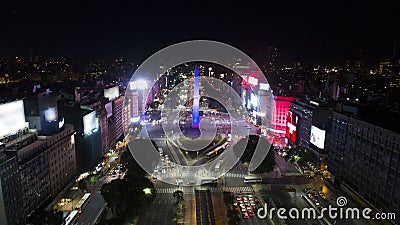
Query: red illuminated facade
{"x": 279, "y": 118}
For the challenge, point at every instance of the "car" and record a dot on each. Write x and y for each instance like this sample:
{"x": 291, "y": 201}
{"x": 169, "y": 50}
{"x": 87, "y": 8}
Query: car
{"x": 244, "y": 210}
{"x": 236, "y": 208}
{"x": 235, "y": 203}
{"x": 172, "y": 164}
{"x": 251, "y": 214}
{"x": 245, "y": 216}
{"x": 238, "y": 198}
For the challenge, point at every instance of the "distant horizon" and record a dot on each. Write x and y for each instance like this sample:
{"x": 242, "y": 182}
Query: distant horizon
{"x": 139, "y": 59}
{"x": 315, "y": 32}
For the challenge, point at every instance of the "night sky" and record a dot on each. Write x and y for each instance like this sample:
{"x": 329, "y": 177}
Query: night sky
{"x": 313, "y": 32}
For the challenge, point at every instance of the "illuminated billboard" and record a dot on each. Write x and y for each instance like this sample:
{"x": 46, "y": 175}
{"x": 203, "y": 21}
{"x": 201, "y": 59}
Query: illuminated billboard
{"x": 264, "y": 86}
{"x": 109, "y": 110}
{"x": 111, "y": 93}
{"x": 12, "y": 117}
{"x": 317, "y": 137}
{"x": 253, "y": 81}
{"x": 90, "y": 123}
{"x": 291, "y": 126}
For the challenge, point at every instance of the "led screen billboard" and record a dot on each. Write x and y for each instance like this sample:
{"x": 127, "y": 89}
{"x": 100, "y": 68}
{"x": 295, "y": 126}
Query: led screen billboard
{"x": 291, "y": 126}
{"x": 317, "y": 137}
{"x": 109, "y": 109}
{"x": 12, "y": 117}
{"x": 89, "y": 123}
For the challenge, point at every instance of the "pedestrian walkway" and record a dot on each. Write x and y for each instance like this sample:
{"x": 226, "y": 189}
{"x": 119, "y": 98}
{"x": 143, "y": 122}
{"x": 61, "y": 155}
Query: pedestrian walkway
{"x": 186, "y": 190}
{"x": 236, "y": 175}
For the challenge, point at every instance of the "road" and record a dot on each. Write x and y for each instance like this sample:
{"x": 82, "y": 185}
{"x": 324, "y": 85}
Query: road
{"x": 160, "y": 211}
{"x": 282, "y": 187}
{"x": 92, "y": 211}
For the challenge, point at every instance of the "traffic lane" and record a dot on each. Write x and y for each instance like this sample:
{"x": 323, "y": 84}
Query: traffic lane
{"x": 285, "y": 167}
{"x": 283, "y": 200}
{"x": 159, "y": 212}
{"x": 92, "y": 210}
{"x": 251, "y": 220}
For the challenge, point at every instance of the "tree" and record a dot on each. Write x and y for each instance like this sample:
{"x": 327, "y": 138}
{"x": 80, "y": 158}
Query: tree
{"x": 268, "y": 164}
{"x": 178, "y": 195}
{"x": 126, "y": 197}
{"x": 86, "y": 183}
{"x": 42, "y": 217}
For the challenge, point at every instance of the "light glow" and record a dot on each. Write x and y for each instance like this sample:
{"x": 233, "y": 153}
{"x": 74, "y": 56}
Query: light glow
{"x": 111, "y": 93}
{"x": 138, "y": 85}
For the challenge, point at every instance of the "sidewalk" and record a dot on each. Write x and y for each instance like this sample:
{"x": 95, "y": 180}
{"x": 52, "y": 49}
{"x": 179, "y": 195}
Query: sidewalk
{"x": 60, "y": 195}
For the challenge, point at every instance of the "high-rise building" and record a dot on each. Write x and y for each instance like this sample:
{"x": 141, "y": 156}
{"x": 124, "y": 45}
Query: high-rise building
{"x": 88, "y": 141}
{"x": 117, "y": 126}
{"x": 364, "y": 156}
{"x": 299, "y": 122}
{"x": 10, "y": 190}
{"x": 308, "y": 126}
{"x": 34, "y": 167}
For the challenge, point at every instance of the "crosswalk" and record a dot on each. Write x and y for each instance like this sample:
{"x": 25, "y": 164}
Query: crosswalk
{"x": 245, "y": 189}
{"x": 188, "y": 190}
{"x": 237, "y": 175}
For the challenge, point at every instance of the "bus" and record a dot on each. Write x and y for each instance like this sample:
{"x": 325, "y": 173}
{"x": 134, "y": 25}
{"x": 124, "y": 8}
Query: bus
{"x": 72, "y": 217}
{"x": 209, "y": 181}
{"x": 82, "y": 203}
{"x": 215, "y": 151}
{"x": 253, "y": 179}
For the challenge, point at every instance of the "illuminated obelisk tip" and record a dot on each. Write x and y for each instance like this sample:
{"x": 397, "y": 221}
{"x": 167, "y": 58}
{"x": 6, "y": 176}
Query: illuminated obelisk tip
{"x": 196, "y": 99}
